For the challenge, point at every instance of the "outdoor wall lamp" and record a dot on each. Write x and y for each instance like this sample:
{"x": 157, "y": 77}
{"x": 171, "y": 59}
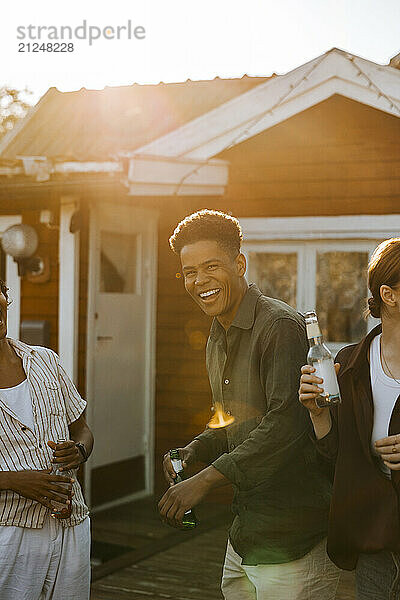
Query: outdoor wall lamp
{"x": 21, "y": 242}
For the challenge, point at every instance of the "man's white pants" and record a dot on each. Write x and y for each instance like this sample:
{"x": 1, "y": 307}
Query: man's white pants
{"x": 52, "y": 563}
{"x": 312, "y": 577}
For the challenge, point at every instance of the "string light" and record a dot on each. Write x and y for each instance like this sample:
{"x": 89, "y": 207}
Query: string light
{"x": 270, "y": 110}
{"x": 192, "y": 172}
{"x": 372, "y": 84}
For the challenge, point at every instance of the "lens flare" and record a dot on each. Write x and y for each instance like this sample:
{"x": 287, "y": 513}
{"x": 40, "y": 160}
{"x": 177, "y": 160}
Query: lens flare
{"x": 220, "y": 418}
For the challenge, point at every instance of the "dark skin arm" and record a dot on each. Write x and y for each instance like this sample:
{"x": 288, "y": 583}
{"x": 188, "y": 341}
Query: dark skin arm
{"x": 187, "y": 456}
{"x": 185, "y": 495}
{"x": 67, "y": 453}
{"x": 41, "y": 486}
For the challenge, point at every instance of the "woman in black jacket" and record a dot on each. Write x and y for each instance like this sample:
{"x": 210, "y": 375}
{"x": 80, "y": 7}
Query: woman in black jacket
{"x": 362, "y": 437}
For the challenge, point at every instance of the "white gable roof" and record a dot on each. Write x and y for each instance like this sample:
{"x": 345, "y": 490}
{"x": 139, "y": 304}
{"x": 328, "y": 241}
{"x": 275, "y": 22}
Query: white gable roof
{"x": 336, "y": 72}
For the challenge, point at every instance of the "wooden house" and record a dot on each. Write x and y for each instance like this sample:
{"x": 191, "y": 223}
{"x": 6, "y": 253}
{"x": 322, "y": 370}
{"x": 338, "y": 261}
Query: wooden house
{"x": 309, "y": 161}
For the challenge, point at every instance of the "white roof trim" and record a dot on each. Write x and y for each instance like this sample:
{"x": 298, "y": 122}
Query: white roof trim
{"x": 372, "y": 227}
{"x": 41, "y": 168}
{"x": 171, "y": 176}
{"x": 336, "y": 72}
{"x": 153, "y": 189}
{"x": 88, "y": 167}
{"x": 11, "y": 171}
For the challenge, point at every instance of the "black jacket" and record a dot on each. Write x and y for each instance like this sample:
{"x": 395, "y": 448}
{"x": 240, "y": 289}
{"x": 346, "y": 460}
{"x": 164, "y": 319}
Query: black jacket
{"x": 364, "y": 515}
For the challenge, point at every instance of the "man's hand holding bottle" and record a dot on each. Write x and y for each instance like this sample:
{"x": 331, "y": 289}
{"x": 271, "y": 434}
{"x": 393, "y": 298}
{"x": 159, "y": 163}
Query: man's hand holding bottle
{"x": 187, "y": 456}
{"x": 178, "y": 501}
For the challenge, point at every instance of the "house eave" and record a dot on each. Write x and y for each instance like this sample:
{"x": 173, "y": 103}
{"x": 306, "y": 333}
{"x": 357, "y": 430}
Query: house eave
{"x": 147, "y": 175}
{"x": 169, "y": 176}
{"x": 272, "y": 102}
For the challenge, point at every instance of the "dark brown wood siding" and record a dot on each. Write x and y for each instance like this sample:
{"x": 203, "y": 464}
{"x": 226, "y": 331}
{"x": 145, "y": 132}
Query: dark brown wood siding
{"x": 39, "y": 301}
{"x": 337, "y": 158}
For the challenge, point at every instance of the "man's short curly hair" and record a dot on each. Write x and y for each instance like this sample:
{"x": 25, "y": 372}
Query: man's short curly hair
{"x": 210, "y": 225}
{"x": 4, "y": 289}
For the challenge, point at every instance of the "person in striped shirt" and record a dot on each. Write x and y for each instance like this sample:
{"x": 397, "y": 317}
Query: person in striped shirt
{"x": 41, "y": 558}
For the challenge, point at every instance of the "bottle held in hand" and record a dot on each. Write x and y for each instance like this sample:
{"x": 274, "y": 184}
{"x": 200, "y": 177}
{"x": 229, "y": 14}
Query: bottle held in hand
{"x": 320, "y": 357}
{"x": 189, "y": 520}
{"x": 60, "y": 510}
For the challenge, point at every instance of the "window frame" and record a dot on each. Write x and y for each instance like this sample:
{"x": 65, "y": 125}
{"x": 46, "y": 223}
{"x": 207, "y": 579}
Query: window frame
{"x": 309, "y": 235}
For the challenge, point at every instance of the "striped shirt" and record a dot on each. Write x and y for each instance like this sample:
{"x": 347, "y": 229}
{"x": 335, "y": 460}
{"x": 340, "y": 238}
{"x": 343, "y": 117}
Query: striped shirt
{"x": 55, "y": 404}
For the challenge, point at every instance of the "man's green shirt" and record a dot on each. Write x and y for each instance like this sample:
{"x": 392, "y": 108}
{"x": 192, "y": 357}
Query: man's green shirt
{"x": 282, "y": 492}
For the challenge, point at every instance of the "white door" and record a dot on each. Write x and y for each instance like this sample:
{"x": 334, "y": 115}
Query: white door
{"x": 9, "y": 273}
{"x": 122, "y": 353}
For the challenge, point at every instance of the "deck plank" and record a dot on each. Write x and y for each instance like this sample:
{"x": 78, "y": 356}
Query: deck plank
{"x": 174, "y": 569}
{"x": 188, "y": 571}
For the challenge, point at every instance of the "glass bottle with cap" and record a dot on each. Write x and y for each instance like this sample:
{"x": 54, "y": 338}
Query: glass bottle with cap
{"x": 60, "y": 510}
{"x": 189, "y": 520}
{"x": 320, "y": 357}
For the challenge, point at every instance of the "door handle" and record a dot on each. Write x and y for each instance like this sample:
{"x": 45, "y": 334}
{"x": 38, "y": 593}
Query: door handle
{"x": 104, "y": 337}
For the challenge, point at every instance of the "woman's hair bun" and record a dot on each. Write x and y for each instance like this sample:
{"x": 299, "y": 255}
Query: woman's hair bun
{"x": 383, "y": 269}
{"x": 374, "y": 308}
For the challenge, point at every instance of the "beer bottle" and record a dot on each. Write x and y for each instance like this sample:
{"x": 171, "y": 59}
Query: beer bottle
{"x": 320, "y": 357}
{"x": 189, "y": 520}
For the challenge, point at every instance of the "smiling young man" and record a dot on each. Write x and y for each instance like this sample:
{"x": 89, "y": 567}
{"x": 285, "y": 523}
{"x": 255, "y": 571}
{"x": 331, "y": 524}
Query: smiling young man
{"x": 256, "y": 346}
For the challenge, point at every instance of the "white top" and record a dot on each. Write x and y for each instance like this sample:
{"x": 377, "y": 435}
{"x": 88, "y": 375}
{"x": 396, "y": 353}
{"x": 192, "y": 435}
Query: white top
{"x": 385, "y": 392}
{"x": 18, "y": 399}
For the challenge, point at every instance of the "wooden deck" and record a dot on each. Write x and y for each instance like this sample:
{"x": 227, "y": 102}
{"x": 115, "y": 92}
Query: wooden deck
{"x": 158, "y": 563}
